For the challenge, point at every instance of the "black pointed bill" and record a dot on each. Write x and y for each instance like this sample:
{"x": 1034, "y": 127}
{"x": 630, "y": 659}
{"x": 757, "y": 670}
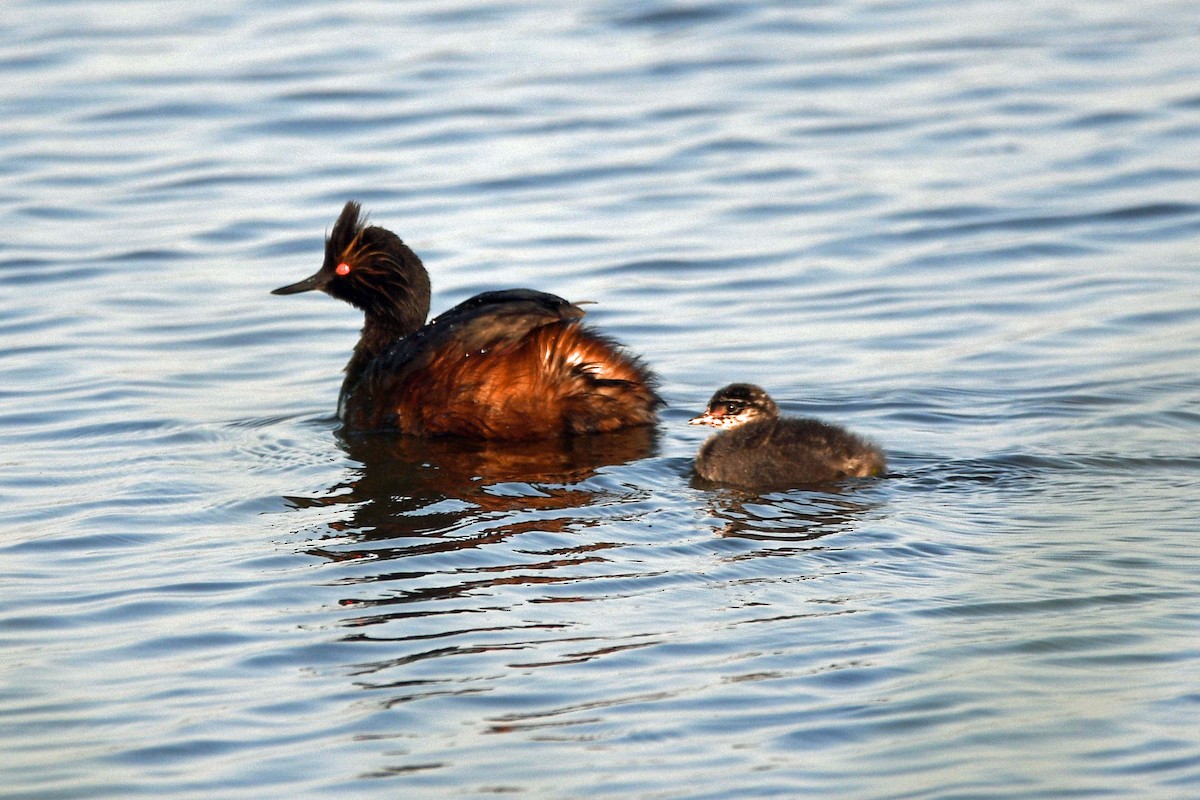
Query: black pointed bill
{"x": 316, "y": 281}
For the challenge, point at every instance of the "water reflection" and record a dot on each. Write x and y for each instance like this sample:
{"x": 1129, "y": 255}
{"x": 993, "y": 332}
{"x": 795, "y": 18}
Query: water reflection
{"x": 411, "y": 497}
{"x": 798, "y": 515}
{"x": 452, "y": 555}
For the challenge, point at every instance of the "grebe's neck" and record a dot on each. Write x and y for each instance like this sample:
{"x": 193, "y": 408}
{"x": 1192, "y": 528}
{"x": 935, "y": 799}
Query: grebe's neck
{"x": 379, "y": 333}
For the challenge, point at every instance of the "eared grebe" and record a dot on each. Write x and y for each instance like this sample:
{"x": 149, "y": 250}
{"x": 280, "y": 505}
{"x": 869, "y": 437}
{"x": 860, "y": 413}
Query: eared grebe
{"x": 513, "y": 364}
{"x": 756, "y": 447}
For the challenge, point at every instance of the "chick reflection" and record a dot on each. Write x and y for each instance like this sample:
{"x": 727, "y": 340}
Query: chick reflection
{"x": 792, "y": 516}
{"x": 407, "y": 486}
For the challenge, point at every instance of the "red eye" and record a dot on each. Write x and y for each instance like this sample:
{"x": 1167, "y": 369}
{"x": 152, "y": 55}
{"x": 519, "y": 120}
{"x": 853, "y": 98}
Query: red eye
{"x": 343, "y": 269}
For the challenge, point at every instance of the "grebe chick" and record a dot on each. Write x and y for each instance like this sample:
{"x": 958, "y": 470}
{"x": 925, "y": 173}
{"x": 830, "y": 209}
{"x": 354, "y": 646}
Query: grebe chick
{"x": 514, "y": 364}
{"x": 758, "y": 448}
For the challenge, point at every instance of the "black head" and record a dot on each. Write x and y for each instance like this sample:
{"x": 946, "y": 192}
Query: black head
{"x": 372, "y": 269}
{"x": 737, "y": 404}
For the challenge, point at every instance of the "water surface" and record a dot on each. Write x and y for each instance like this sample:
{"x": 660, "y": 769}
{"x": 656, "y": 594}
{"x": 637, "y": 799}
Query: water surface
{"x": 965, "y": 230}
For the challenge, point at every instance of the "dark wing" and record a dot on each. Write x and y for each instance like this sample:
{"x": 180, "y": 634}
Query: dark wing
{"x": 492, "y": 319}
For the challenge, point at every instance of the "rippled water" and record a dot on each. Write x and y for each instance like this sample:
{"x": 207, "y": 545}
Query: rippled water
{"x": 966, "y": 230}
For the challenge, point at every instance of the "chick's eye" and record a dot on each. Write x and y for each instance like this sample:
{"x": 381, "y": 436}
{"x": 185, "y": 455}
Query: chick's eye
{"x": 733, "y": 408}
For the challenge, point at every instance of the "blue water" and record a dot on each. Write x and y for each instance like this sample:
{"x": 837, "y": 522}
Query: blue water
{"x": 968, "y": 231}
